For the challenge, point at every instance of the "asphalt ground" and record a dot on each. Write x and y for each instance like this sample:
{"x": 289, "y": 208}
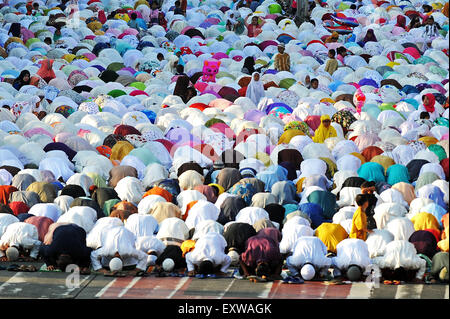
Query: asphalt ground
{"x": 58, "y": 285}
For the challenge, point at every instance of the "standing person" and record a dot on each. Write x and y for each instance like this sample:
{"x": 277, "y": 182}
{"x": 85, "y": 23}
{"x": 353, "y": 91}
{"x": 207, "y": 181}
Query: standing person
{"x": 282, "y": 60}
{"x": 332, "y": 63}
{"x": 208, "y": 256}
{"x": 154, "y": 14}
{"x": 181, "y": 87}
{"x": 368, "y": 188}
{"x": 46, "y": 70}
{"x": 22, "y": 79}
{"x": 68, "y": 247}
{"x": 183, "y": 6}
{"x": 359, "y": 221}
{"x": 341, "y": 54}
{"x": 133, "y": 23}
{"x": 325, "y": 130}
{"x": 178, "y": 9}
{"x": 14, "y": 29}
{"x": 254, "y": 28}
{"x": 255, "y": 89}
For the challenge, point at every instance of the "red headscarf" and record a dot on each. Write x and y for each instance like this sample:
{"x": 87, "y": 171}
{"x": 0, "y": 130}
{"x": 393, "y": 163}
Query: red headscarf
{"x": 5, "y": 191}
{"x": 19, "y": 208}
{"x": 431, "y": 101}
{"x": 401, "y": 22}
{"x": 102, "y": 17}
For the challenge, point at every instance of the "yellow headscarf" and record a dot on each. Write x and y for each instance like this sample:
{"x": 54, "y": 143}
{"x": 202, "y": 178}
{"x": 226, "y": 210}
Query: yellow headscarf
{"x": 120, "y": 150}
{"x": 322, "y": 133}
{"x": 286, "y": 137}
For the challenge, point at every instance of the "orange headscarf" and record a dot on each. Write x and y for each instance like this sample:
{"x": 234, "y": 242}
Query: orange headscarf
{"x": 159, "y": 191}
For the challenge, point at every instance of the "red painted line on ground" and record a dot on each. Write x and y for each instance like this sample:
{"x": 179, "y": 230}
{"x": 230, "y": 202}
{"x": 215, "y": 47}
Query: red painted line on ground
{"x": 338, "y": 291}
{"x": 308, "y": 290}
{"x": 117, "y": 287}
{"x": 156, "y": 287}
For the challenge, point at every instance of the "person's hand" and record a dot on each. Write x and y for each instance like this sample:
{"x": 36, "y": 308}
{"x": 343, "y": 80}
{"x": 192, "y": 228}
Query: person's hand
{"x": 103, "y": 271}
{"x": 50, "y": 267}
{"x": 191, "y": 273}
{"x": 85, "y": 271}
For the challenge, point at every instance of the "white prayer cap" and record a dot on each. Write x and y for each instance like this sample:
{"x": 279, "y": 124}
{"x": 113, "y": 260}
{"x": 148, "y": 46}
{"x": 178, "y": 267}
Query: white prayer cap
{"x": 115, "y": 264}
{"x": 308, "y": 272}
{"x": 234, "y": 255}
{"x": 12, "y": 253}
{"x": 168, "y": 264}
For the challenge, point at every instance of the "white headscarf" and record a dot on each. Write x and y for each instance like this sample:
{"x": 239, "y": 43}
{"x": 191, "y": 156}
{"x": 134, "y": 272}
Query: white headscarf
{"x": 255, "y": 90}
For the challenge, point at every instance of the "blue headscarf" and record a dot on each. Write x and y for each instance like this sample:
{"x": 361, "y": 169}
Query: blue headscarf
{"x": 372, "y": 172}
{"x": 396, "y": 174}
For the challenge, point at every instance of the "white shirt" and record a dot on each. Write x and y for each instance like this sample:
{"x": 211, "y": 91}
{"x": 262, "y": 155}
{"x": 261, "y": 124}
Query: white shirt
{"x": 352, "y": 251}
{"x": 120, "y": 240}
{"x": 309, "y": 249}
{"x": 209, "y": 247}
{"x": 292, "y": 233}
{"x": 21, "y": 235}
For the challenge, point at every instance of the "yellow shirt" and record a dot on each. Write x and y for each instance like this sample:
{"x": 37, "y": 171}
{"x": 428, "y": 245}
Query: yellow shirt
{"x": 359, "y": 224}
{"x": 424, "y": 221}
{"x": 331, "y": 235}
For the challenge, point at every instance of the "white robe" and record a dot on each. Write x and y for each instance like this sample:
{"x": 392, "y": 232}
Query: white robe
{"x": 202, "y": 210}
{"x": 308, "y": 249}
{"x": 255, "y": 90}
{"x": 142, "y": 225}
{"x": 401, "y": 253}
{"x": 352, "y": 251}
{"x": 209, "y": 247}
{"x": 292, "y": 233}
{"x": 120, "y": 240}
{"x": 21, "y": 235}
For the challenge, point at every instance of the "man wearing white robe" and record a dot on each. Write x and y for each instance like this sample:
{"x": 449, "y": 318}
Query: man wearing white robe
{"x": 118, "y": 242}
{"x": 151, "y": 246}
{"x": 308, "y": 250}
{"x": 22, "y": 236}
{"x": 209, "y": 247}
{"x": 352, "y": 252}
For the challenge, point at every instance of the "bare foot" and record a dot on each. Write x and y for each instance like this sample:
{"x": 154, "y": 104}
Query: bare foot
{"x": 51, "y": 268}
{"x": 191, "y": 273}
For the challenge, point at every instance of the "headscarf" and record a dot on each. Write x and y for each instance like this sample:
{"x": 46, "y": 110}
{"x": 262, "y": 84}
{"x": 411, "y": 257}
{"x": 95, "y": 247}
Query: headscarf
{"x": 370, "y": 36}
{"x": 230, "y": 208}
{"x": 322, "y": 133}
{"x": 160, "y": 192}
{"x": 396, "y": 174}
{"x": 407, "y": 191}
{"x": 431, "y": 101}
{"x": 332, "y": 38}
{"x": 249, "y": 64}
{"x": 18, "y": 208}
{"x": 285, "y": 192}
{"x": 161, "y": 211}
{"x": 5, "y": 191}
{"x": 401, "y": 22}
{"x": 190, "y": 179}
{"x": 181, "y": 87}
{"x": 208, "y": 191}
{"x": 119, "y": 172}
{"x": 255, "y": 90}
{"x": 19, "y": 81}
{"x": 46, "y": 72}
{"x": 372, "y": 172}
{"x": 228, "y": 177}
{"x": 22, "y": 181}
{"x": 14, "y": 29}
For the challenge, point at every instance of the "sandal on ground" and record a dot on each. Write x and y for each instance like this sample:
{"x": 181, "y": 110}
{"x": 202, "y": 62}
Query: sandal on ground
{"x": 13, "y": 267}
